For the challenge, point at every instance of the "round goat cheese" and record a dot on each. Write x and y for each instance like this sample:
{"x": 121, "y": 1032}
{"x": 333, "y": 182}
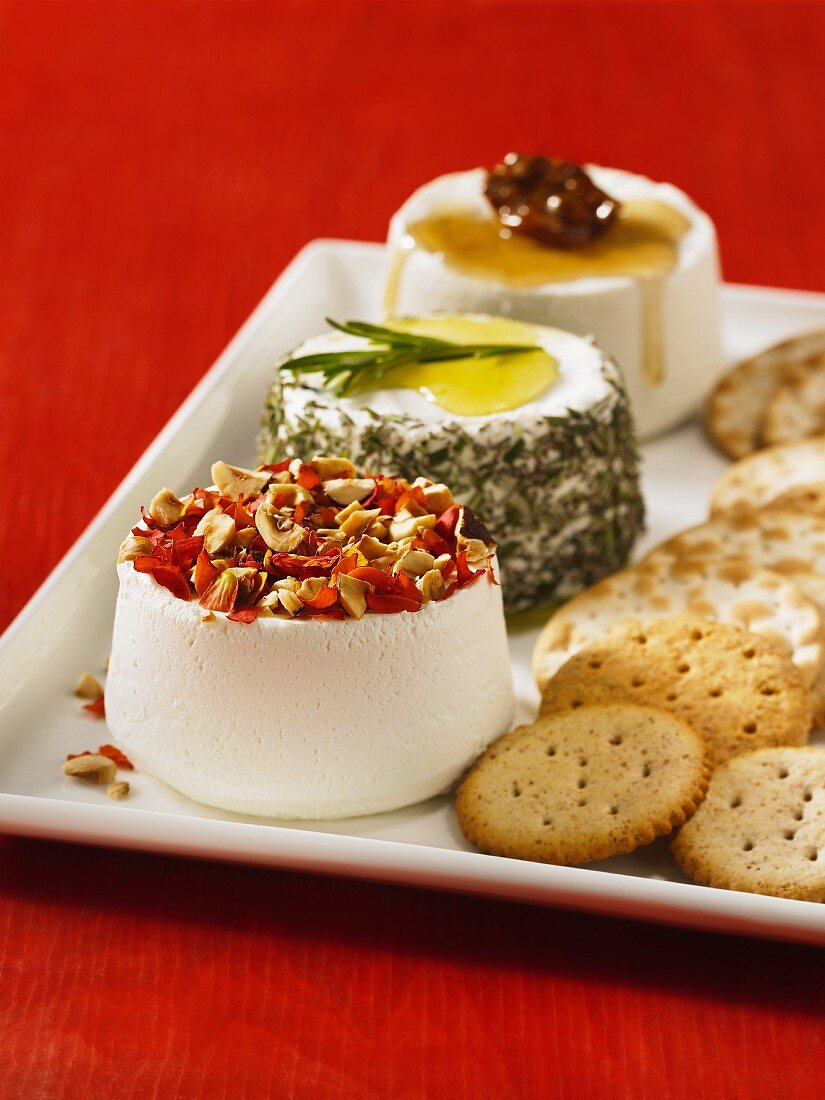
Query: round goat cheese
{"x": 555, "y": 479}
{"x": 662, "y": 326}
{"x": 307, "y": 719}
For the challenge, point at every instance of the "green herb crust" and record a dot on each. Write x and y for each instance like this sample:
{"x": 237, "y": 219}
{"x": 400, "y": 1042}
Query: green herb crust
{"x": 559, "y": 493}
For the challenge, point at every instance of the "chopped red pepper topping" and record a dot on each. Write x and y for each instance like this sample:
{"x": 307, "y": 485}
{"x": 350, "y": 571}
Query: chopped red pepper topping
{"x": 386, "y": 537}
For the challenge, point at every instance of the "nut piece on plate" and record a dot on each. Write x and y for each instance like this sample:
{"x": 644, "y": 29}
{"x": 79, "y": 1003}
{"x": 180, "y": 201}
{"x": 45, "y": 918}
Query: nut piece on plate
{"x": 762, "y": 826}
{"x": 737, "y": 407}
{"x": 91, "y": 767}
{"x": 736, "y": 689}
{"x": 87, "y": 687}
{"x": 584, "y": 785}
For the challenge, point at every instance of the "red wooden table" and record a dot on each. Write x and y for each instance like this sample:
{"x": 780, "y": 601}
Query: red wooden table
{"x": 163, "y": 161}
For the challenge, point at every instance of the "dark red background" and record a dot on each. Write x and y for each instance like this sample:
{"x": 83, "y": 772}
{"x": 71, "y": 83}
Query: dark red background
{"x": 163, "y": 162}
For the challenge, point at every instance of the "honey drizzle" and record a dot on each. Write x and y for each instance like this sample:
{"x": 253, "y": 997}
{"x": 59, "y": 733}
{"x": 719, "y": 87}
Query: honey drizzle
{"x": 643, "y": 246}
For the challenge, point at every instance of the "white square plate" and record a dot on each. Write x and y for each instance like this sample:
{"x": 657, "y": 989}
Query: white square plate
{"x": 65, "y": 630}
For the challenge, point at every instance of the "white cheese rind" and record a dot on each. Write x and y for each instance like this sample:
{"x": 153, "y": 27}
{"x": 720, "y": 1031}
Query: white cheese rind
{"x": 307, "y": 719}
{"x": 610, "y": 309}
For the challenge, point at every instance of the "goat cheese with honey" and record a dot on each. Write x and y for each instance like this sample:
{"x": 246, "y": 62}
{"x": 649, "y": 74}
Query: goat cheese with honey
{"x": 597, "y": 251}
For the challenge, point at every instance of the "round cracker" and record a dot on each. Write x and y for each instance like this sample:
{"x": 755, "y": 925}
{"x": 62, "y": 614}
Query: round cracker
{"x": 789, "y": 543}
{"x": 739, "y": 691}
{"x": 796, "y": 409}
{"x": 736, "y": 407}
{"x": 583, "y": 785}
{"x": 806, "y": 499}
{"x": 755, "y": 480}
{"x": 736, "y": 592}
{"x": 762, "y": 826}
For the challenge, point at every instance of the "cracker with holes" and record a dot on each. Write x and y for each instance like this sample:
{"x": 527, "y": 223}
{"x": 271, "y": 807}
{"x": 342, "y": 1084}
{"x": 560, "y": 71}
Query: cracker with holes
{"x": 761, "y": 827}
{"x": 786, "y": 542}
{"x": 736, "y": 408}
{"x": 735, "y": 592}
{"x": 754, "y": 481}
{"x": 796, "y": 409}
{"x": 583, "y": 785}
{"x": 807, "y": 499}
{"x": 739, "y": 691}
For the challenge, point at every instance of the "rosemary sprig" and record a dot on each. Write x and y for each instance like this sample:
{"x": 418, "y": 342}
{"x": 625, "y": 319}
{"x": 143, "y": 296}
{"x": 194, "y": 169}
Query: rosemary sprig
{"x": 389, "y": 349}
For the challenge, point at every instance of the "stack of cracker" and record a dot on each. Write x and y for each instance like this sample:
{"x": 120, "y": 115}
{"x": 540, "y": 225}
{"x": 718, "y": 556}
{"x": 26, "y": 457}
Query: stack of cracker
{"x": 777, "y": 396}
{"x": 719, "y": 633}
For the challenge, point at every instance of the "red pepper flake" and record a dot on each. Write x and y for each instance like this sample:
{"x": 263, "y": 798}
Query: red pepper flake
{"x": 406, "y": 588}
{"x": 234, "y": 581}
{"x": 380, "y": 581}
{"x": 307, "y": 478}
{"x": 347, "y": 563}
{"x": 205, "y": 573}
{"x": 245, "y": 614}
{"x": 446, "y": 522}
{"x": 390, "y": 605}
{"x": 116, "y": 756}
{"x": 433, "y": 543}
{"x": 326, "y": 598}
{"x": 75, "y": 755}
{"x": 466, "y": 575}
{"x": 337, "y": 615}
{"x": 221, "y": 595}
{"x": 165, "y": 572}
{"x": 96, "y": 708}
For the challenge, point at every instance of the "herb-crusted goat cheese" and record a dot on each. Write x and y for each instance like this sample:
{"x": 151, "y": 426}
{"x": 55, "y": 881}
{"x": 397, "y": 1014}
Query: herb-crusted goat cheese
{"x": 555, "y": 478}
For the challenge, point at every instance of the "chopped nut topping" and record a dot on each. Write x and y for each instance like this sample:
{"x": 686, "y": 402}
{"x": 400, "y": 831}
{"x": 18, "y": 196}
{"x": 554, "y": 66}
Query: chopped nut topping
{"x": 87, "y": 687}
{"x": 281, "y": 535}
{"x": 358, "y": 521}
{"x": 245, "y": 537}
{"x": 289, "y": 601}
{"x": 207, "y": 616}
{"x": 327, "y": 468}
{"x": 370, "y": 547}
{"x": 133, "y": 547}
{"x": 345, "y": 490}
{"x": 91, "y": 767}
{"x": 432, "y": 584}
{"x": 415, "y": 562}
{"x": 310, "y": 588}
{"x": 353, "y": 594}
{"x": 118, "y": 790}
{"x": 438, "y": 498}
{"x": 405, "y": 524}
{"x": 378, "y": 529}
{"x": 475, "y": 550}
{"x": 218, "y": 530}
{"x": 165, "y": 507}
{"x": 287, "y": 495}
{"x": 309, "y": 540}
{"x": 235, "y": 481}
